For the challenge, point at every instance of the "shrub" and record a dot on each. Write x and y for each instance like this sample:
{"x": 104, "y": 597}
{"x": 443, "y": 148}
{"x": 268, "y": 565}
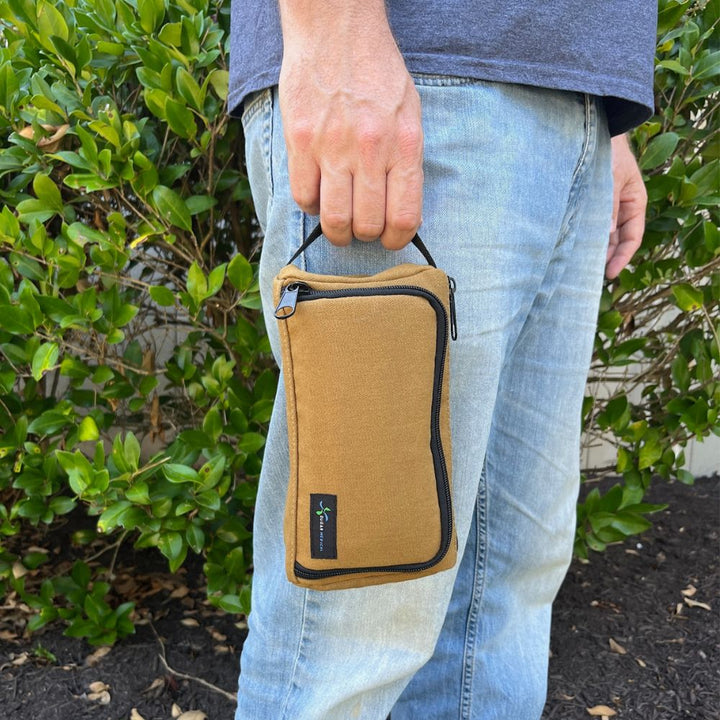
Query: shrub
{"x": 656, "y": 372}
{"x": 133, "y": 370}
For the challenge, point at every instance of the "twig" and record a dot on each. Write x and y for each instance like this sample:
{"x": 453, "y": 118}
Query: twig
{"x": 184, "y": 676}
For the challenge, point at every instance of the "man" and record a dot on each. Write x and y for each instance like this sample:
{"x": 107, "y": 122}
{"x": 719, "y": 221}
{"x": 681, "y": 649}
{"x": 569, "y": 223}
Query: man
{"x": 489, "y": 124}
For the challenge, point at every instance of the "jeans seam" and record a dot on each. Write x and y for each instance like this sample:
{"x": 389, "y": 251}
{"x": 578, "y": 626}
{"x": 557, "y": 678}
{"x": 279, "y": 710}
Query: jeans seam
{"x": 589, "y": 138}
{"x": 268, "y": 154}
{"x": 466, "y": 689}
{"x": 296, "y": 660}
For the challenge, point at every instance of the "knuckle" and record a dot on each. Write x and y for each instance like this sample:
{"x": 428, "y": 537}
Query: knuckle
{"x": 367, "y": 229}
{"x": 335, "y": 222}
{"x": 410, "y": 140}
{"x": 299, "y": 134}
{"x": 305, "y": 198}
{"x": 404, "y": 222}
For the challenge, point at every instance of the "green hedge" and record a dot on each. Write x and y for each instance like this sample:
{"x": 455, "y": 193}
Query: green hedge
{"x": 656, "y": 371}
{"x": 135, "y": 378}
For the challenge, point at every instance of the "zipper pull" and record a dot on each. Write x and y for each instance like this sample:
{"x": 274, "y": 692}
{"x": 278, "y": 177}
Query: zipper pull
{"x": 453, "y": 316}
{"x": 288, "y": 301}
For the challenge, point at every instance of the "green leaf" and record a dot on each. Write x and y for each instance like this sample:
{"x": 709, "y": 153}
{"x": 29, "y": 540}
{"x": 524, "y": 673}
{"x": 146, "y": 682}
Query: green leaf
{"x": 16, "y": 320}
{"x": 110, "y": 518}
{"x": 687, "y": 297}
{"x": 195, "y": 538}
{"x": 138, "y": 493}
{"x": 177, "y": 473}
{"x": 220, "y": 80}
{"x": 630, "y": 524}
{"x": 49, "y": 423}
{"x": 171, "y": 545}
{"x": 200, "y": 203}
{"x": 231, "y": 604}
{"x": 659, "y": 149}
{"x": 44, "y": 359}
{"x": 251, "y": 442}
{"x": 180, "y": 119}
{"x": 50, "y": 21}
{"x": 172, "y": 207}
{"x": 240, "y": 273}
{"x": 189, "y": 89}
{"x": 216, "y": 279}
{"x": 197, "y": 284}
{"x": 162, "y": 295}
{"x": 78, "y": 468}
{"x": 88, "y": 430}
{"x": 62, "y": 505}
{"x": 650, "y": 453}
{"x": 707, "y": 66}
{"x": 47, "y": 191}
{"x": 151, "y": 13}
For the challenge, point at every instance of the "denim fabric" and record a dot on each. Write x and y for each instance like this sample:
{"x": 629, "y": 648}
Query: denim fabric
{"x": 517, "y": 209}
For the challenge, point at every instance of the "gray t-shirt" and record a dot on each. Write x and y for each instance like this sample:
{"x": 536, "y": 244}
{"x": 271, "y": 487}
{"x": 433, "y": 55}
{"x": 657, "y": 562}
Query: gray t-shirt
{"x": 601, "y": 47}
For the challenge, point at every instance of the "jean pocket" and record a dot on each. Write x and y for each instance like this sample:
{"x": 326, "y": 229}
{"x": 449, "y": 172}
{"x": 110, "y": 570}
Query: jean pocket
{"x": 252, "y": 107}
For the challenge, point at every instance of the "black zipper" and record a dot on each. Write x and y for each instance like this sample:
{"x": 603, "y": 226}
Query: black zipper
{"x": 297, "y": 292}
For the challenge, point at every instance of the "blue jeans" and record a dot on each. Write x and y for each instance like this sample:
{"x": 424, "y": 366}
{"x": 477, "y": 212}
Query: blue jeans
{"x": 517, "y": 209}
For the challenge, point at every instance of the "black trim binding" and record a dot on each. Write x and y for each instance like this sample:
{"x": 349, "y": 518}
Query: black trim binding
{"x": 302, "y": 292}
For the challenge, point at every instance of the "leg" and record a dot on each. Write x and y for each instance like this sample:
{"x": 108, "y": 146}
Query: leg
{"x": 494, "y": 224}
{"x": 491, "y": 659}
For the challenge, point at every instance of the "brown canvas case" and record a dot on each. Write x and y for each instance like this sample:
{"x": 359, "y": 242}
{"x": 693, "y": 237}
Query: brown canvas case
{"x": 365, "y": 365}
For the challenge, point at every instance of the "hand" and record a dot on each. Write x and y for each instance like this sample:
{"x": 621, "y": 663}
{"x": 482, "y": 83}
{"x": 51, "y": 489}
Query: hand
{"x": 352, "y": 123}
{"x": 629, "y": 205}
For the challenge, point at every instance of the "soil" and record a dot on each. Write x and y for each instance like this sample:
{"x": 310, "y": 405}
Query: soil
{"x": 636, "y": 634}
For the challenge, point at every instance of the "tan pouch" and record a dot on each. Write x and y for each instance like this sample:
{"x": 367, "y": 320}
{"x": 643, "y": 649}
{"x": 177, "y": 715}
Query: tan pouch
{"x": 365, "y": 362}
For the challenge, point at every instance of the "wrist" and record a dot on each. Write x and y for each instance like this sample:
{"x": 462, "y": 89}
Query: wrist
{"x": 329, "y": 22}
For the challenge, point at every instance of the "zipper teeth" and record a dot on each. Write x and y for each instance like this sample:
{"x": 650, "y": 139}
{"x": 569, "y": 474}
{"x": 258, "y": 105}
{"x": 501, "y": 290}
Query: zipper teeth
{"x": 304, "y": 290}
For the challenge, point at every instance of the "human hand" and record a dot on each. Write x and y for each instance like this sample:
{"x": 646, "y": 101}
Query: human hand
{"x": 629, "y": 205}
{"x": 352, "y": 124}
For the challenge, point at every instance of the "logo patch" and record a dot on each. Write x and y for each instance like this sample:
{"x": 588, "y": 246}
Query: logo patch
{"x": 323, "y": 526}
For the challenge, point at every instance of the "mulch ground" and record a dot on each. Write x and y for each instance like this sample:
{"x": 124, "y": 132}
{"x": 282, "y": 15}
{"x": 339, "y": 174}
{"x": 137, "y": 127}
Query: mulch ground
{"x": 636, "y": 634}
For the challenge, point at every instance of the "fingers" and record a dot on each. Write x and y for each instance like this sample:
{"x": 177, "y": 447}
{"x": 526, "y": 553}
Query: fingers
{"x": 336, "y": 198}
{"x": 403, "y": 211}
{"x": 624, "y": 243}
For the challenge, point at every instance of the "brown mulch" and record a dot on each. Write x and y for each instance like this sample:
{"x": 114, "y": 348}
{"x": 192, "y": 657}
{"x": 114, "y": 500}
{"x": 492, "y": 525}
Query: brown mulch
{"x": 636, "y": 632}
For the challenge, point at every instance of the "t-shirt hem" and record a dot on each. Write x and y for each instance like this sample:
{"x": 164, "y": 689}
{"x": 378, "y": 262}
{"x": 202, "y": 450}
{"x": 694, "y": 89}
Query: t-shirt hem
{"x": 631, "y": 102}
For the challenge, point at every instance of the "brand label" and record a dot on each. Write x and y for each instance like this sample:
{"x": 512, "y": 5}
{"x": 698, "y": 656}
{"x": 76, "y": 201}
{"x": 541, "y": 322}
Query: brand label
{"x": 323, "y": 526}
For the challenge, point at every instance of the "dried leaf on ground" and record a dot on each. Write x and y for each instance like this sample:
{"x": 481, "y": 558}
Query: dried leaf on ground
{"x": 102, "y": 697}
{"x": 135, "y": 715}
{"x": 175, "y": 710}
{"x": 616, "y": 647}
{"x": 180, "y": 592}
{"x": 190, "y": 622}
{"x": 193, "y": 715}
{"x": 689, "y": 591}
{"x": 94, "y": 658}
{"x": 601, "y": 711}
{"x": 695, "y": 603}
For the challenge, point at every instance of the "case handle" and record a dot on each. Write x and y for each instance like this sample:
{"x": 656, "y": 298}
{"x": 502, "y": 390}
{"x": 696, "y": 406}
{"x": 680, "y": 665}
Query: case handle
{"x": 317, "y": 232}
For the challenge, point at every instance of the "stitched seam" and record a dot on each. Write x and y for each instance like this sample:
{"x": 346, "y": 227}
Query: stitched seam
{"x": 471, "y": 634}
{"x": 296, "y": 661}
{"x": 580, "y": 169}
{"x": 268, "y": 139}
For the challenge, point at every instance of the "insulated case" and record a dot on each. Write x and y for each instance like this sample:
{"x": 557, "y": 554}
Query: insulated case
{"x": 365, "y": 365}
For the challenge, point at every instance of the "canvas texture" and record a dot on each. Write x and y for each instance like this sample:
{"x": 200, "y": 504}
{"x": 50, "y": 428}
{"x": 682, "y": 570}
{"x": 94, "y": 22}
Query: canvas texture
{"x": 365, "y": 366}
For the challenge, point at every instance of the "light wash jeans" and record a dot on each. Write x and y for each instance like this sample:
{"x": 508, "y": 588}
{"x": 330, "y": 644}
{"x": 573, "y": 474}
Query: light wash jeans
{"x": 517, "y": 209}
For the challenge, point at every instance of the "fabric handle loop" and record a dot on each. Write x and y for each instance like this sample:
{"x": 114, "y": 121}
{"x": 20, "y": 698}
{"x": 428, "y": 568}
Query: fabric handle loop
{"x": 317, "y": 232}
